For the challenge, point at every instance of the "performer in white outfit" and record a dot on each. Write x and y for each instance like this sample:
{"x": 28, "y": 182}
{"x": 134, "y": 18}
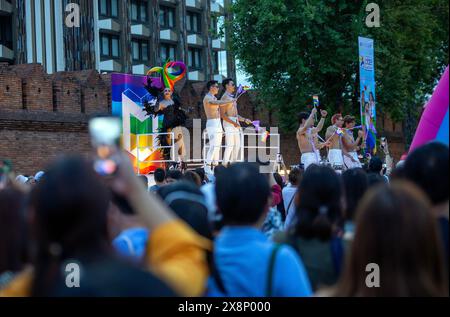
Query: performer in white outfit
{"x": 333, "y": 135}
{"x": 307, "y": 137}
{"x": 213, "y": 124}
{"x": 350, "y": 146}
{"x": 231, "y": 119}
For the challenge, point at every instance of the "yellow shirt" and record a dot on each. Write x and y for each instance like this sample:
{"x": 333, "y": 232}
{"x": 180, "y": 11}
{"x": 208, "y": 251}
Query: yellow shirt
{"x": 175, "y": 253}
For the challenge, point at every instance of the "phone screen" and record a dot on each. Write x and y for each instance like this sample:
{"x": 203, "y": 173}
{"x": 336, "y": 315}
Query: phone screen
{"x": 105, "y": 136}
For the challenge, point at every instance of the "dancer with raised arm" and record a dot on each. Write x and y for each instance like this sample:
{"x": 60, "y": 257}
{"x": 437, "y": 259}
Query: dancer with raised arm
{"x": 334, "y": 137}
{"x": 350, "y": 146}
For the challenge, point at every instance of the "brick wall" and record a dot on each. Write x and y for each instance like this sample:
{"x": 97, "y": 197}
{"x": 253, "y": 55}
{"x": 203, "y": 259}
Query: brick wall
{"x": 42, "y": 116}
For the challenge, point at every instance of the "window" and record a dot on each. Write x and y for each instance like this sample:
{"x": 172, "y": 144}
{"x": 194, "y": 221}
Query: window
{"x": 195, "y": 58}
{"x": 167, "y": 52}
{"x": 139, "y": 11}
{"x": 6, "y": 31}
{"x": 215, "y": 62}
{"x": 140, "y": 50}
{"x": 109, "y": 45}
{"x": 214, "y": 28}
{"x": 193, "y": 22}
{"x": 109, "y": 8}
{"x": 167, "y": 17}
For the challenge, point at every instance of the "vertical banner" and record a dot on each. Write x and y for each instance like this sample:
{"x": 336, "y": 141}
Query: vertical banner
{"x": 367, "y": 92}
{"x": 128, "y": 96}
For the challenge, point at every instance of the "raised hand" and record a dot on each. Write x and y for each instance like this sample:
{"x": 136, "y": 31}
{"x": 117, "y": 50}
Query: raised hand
{"x": 323, "y": 113}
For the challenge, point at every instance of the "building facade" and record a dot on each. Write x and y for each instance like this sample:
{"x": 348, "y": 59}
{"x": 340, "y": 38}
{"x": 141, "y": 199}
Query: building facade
{"x": 127, "y": 36}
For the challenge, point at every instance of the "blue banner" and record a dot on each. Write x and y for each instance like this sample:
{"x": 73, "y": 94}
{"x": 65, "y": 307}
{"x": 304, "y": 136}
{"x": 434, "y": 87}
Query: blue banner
{"x": 367, "y": 92}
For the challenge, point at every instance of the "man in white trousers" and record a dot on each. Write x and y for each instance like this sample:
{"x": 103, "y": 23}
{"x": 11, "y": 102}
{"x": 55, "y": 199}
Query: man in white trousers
{"x": 231, "y": 125}
{"x": 213, "y": 124}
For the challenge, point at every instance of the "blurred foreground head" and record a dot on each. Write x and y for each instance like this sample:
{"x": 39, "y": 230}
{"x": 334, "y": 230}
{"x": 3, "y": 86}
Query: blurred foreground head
{"x": 395, "y": 230}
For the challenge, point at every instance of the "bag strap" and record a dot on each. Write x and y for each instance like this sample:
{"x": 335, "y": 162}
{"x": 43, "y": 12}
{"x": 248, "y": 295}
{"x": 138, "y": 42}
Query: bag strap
{"x": 270, "y": 270}
{"x": 290, "y": 203}
{"x": 216, "y": 276}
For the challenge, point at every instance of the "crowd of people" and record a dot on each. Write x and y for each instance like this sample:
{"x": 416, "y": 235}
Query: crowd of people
{"x": 236, "y": 232}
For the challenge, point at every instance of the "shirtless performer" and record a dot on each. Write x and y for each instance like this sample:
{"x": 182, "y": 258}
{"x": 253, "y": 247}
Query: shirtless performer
{"x": 350, "y": 146}
{"x": 307, "y": 137}
{"x": 334, "y": 136}
{"x": 213, "y": 124}
{"x": 231, "y": 119}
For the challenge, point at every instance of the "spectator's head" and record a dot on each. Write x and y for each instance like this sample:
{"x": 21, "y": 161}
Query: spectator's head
{"x": 160, "y": 176}
{"x": 395, "y": 230}
{"x": 192, "y": 177}
{"x": 213, "y": 87}
{"x": 318, "y": 203}
{"x": 427, "y": 167}
{"x": 188, "y": 202}
{"x": 173, "y": 176}
{"x": 12, "y": 230}
{"x": 349, "y": 122}
{"x": 375, "y": 179}
{"x": 201, "y": 172}
{"x": 144, "y": 180}
{"x": 375, "y": 165}
{"x": 355, "y": 185}
{"x": 295, "y": 176}
{"x": 337, "y": 120}
{"x": 68, "y": 219}
{"x": 234, "y": 186}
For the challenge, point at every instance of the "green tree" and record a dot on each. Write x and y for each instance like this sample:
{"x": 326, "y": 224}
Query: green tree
{"x": 293, "y": 49}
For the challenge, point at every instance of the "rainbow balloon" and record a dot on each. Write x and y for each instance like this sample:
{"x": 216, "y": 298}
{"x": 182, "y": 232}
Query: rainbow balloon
{"x": 171, "y": 72}
{"x": 433, "y": 125}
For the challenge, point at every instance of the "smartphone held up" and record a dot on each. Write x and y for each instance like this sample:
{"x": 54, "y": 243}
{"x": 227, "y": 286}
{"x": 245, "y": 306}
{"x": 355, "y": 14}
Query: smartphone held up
{"x": 105, "y": 138}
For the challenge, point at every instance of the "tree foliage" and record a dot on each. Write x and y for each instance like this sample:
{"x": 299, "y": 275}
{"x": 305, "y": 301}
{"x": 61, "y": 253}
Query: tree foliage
{"x": 293, "y": 49}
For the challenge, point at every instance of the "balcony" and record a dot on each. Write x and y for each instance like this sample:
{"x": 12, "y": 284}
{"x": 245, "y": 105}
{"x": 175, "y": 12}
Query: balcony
{"x": 140, "y": 69}
{"x": 110, "y": 66}
{"x": 217, "y": 8}
{"x": 196, "y": 4}
{"x": 220, "y": 78}
{"x": 109, "y": 24}
{"x": 196, "y": 76}
{"x": 5, "y": 7}
{"x": 218, "y": 45}
{"x": 195, "y": 39}
{"x": 6, "y": 53}
{"x": 140, "y": 30}
{"x": 168, "y": 35}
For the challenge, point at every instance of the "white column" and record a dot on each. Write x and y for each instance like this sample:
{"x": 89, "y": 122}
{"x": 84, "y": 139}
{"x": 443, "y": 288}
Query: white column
{"x": 59, "y": 36}
{"x": 29, "y": 28}
{"x": 96, "y": 36}
{"x": 49, "y": 36}
{"x": 40, "y": 50}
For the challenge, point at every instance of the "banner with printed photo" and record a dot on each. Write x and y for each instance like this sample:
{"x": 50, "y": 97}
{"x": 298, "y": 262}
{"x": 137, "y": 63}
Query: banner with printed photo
{"x": 128, "y": 97}
{"x": 367, "y": 92}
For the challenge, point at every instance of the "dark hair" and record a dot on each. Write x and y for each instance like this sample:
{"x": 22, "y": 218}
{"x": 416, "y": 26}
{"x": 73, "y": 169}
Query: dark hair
{"x": 295, "y": 176}
{"x": 219, "y": 169}
{"x": 159, "y": 175}
{"x": 12, "y": 230}
{"x": 144, "y": 180}
{"x": 319, "y": 203}
{"x": 375, "y": 179}
{"x": 335, "y": 117}
{"x": 303, "y": 116}
{"x": 192, "y": 177}
{"x": 234, "y": 188}
{"x": 187, "y": 201}
{"x": 70, "y": 219}
{"x": 226, "y": 82}
{"x": 211, "y": 83}
{"x": 349, "y": 119}
{"x": 278, "y": 179}
{"x": 375, "y": 164}
{"x": 174, "y": 174}
{"x": 355, "y": 183}
{"x": 427, "y": 167}
{"x": 200, "y": 172}
{"x": 396, "y": 230}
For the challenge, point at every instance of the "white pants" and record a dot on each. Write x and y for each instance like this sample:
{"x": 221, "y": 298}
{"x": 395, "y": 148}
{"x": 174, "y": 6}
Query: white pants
{"x": 335, "y": 157}
{"x": 309, "y": 158}
{"x": 215, "y": 133}
{"x": 232, "y": 140}
{"x": 349, "y": 163}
